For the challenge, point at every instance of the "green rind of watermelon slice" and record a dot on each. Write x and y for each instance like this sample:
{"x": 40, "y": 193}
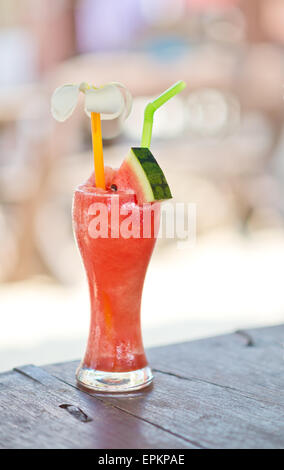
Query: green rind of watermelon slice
{"x": 141, "y": 173}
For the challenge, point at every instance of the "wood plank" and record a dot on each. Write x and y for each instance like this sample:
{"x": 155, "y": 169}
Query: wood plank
{"x": 249, "y": 361}
{"x": 216, "y": 393}
{"x": 209, "y": 416}
{"x": 40, "y": 412}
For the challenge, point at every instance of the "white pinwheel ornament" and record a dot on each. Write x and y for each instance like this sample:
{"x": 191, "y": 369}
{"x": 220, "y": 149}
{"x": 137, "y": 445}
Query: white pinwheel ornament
{"x": 111, "y": 101}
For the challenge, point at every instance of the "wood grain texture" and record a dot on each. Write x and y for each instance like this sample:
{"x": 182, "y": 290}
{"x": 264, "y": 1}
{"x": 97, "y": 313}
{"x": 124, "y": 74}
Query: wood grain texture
{"x": 34, "y": 415}
{"x": 251, "y": 362}
{"x": 223, "y": 392}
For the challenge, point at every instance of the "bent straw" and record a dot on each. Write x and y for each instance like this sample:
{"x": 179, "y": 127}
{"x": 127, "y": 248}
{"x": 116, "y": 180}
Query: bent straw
{"x": 153, "y": 106}
{"x": 98, "y": 150}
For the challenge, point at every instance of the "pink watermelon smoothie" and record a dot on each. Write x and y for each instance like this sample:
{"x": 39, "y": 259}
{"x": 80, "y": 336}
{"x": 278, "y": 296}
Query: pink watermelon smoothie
{"x": 116, "y": 269}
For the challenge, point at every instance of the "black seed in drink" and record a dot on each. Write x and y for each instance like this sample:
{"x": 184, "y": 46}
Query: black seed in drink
{"x": 113, "y": 187}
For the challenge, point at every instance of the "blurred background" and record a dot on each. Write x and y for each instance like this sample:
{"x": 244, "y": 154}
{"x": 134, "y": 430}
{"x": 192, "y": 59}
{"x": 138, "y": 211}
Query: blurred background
{"x": 232, "y": 277}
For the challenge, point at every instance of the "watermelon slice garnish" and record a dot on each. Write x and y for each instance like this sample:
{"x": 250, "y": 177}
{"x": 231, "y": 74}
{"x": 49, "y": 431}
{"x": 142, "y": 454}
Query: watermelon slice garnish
{"x": 141, "y": 173}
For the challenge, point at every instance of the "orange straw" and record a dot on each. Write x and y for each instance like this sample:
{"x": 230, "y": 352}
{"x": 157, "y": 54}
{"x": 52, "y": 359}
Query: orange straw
{"x": 98, "y": 150}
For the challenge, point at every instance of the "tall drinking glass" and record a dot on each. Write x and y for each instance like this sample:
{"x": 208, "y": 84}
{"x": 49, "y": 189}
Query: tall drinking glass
{"x": 116, "y": 238}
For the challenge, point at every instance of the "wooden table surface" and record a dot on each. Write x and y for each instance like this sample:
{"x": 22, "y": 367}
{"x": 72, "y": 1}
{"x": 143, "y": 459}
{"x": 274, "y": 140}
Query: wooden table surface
{"x": 222, "y": 392}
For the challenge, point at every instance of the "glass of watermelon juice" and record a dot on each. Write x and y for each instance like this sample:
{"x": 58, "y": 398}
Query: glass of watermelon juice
{"x": 115, "y": 265}
{"x": 115, "y": 258}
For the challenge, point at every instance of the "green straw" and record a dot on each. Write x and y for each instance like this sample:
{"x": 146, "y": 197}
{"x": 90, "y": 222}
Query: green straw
{"x": 153, "y": 106}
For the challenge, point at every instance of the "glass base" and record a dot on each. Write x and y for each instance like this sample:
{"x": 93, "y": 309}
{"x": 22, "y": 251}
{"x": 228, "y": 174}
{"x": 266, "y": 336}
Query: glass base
{"x": 114, "y": 381}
